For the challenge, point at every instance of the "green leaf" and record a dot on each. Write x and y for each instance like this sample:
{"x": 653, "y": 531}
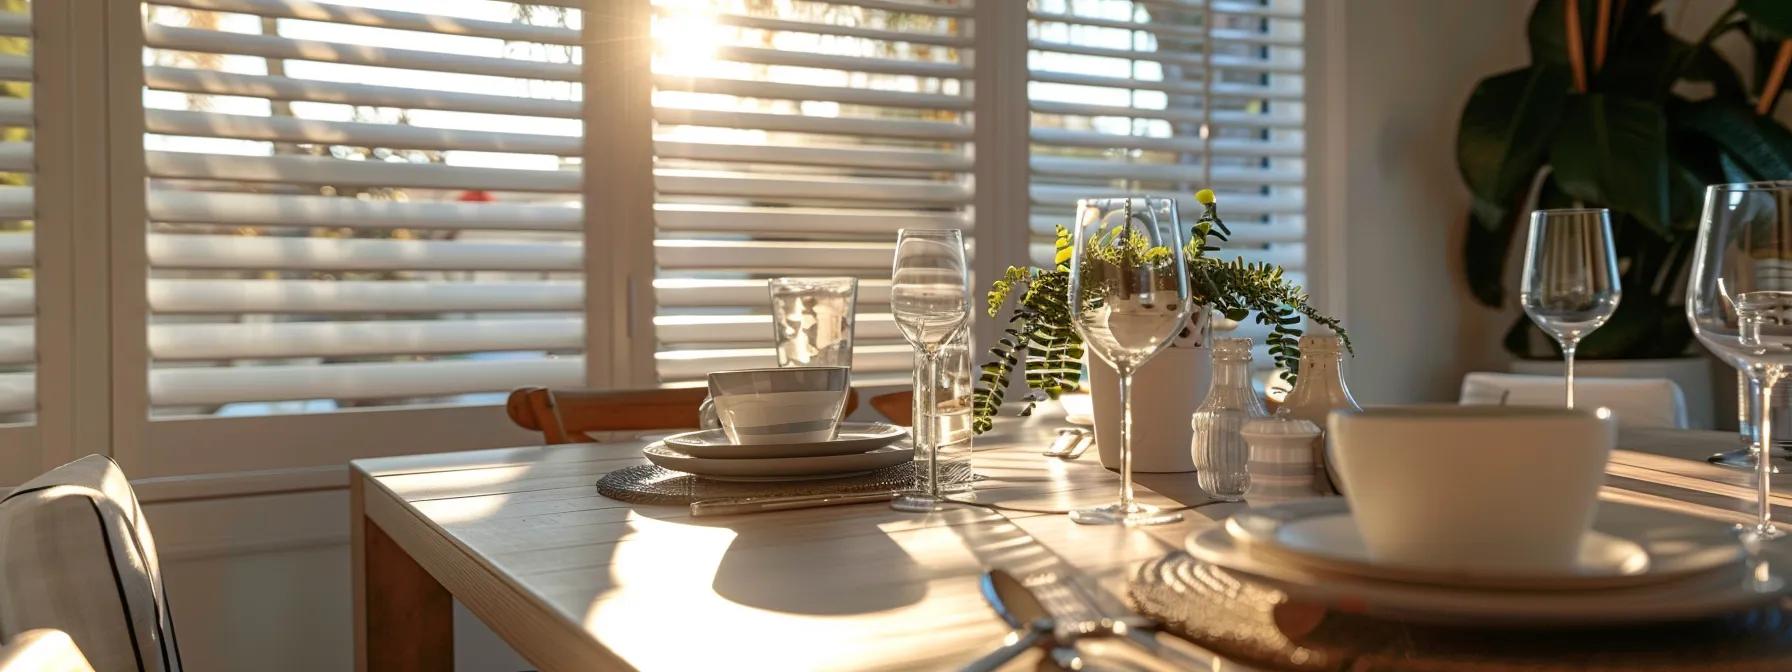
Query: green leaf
{"x": 1775, "y": 15}
{"x": 1504, "y": 135}
{"x": 1612, "y": 151}
{"x": 1760, "y": 146}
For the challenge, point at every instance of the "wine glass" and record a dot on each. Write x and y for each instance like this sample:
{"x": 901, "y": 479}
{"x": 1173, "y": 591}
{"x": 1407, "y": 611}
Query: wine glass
{"x": 1739, "y": 300}
{"x": 930, "y": 300}
{"x": 1570, "y": 284}
{"x": 1129, "y": 295}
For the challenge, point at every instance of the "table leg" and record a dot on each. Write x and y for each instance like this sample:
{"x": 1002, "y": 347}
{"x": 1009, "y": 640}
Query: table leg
{"x": 404, "y": 618}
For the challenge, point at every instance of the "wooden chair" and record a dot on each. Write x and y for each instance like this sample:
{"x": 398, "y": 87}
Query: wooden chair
{"x": 79, "y": 558}
{"x": 42, "y": 650}
{"x": 567, "y": 416}
{"x": 899, "y": 407}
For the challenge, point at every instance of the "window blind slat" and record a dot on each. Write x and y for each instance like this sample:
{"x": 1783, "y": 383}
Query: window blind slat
{"x": 383, "y": 18}
{"x": 222, "y": 385}
{"x": 191, "y": 80}
{"x": 265, "y": 46}
{"x": 242, "y": 252}
{"x": 834, "y": 94}
{"x": 296, "y": 210}
{"x": 209, "y": 296}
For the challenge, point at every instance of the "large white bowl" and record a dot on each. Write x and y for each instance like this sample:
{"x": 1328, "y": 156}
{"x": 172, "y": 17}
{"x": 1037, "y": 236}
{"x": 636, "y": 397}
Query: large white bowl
{"x": 1473, "y": 488}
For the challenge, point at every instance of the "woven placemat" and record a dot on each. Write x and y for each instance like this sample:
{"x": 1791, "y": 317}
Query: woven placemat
{"x": 649, "y": 484}
{"x": 1257, "y": 625}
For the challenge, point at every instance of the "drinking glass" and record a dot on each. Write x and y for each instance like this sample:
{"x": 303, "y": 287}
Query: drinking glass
{"x": 1739, "y": 301}
{"x": 930, "y": 301}
{"x": 812, "y": 320}
{"x": 1570, "y": 284}
{"x": 954, "y": 380}
{"x": 1748, "y": 396}
{"x": 1129, "y": 295}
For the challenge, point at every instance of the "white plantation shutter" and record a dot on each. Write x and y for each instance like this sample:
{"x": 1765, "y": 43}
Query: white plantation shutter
{"x": 18, "y": 352}
{"x": 360, "y": 206}
{"x": 796, "y": 139}
{"x": 1167, "y": 97}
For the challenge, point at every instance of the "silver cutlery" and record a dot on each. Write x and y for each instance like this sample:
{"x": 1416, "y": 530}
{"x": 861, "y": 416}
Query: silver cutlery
{"x": 1016, "y": 605}
{"x": 721, "y": 506}
{"x": 1068, "y": 603}
{"x": 1070, "y": 443}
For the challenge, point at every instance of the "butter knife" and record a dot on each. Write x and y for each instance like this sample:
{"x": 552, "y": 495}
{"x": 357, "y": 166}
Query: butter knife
{"x": 721, "y": 506}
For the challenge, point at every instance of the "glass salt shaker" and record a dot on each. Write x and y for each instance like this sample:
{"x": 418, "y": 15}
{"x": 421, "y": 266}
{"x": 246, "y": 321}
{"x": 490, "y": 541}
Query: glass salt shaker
{"x": 1220, "y": 451}
{"x": 1319, "y": 391}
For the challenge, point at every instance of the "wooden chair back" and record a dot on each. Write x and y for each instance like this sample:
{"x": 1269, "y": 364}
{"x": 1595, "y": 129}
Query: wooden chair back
{"x": 899, "y": 407}
{"x": 569, "y": 416}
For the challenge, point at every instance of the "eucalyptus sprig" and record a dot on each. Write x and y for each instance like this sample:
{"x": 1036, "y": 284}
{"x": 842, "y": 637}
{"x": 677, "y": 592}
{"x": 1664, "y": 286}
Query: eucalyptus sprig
{"x": 1040, "y": 337}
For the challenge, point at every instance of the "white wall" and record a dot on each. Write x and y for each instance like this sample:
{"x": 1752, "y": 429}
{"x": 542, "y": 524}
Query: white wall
{"x": 1390, "y": 80}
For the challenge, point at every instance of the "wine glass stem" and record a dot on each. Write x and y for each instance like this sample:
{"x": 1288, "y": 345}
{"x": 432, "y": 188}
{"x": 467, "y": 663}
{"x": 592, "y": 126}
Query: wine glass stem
{"x": 1126, "y": 442}
{"x": 925, "y": 424}
{"x": 1568, "y": 367}
{"x": 1763, "y": 460}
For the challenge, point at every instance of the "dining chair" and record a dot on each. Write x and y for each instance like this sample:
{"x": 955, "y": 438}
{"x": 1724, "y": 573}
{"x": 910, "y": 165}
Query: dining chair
{"x": 568, "y": 416}
{"x": 76, "y": 555}
{"x": 42, "y": 650}
{"x": 1637, "y": 402}
{"x": 899, "y": 407}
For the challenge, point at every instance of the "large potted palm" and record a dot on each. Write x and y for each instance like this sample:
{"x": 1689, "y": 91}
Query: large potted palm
{"x": 1616, "y": 111}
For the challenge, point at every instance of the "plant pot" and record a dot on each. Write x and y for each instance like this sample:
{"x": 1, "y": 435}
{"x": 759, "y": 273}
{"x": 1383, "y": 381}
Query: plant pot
{"x": 1165, "y": 392}
{"x": 1692, "y": 374}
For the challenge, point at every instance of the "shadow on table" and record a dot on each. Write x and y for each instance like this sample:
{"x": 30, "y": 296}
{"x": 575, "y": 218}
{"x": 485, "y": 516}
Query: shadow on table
{"x": 799, "y": 564}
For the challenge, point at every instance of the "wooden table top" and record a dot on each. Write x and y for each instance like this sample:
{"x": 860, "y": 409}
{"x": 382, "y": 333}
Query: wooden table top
{"x": 576, "y": 580}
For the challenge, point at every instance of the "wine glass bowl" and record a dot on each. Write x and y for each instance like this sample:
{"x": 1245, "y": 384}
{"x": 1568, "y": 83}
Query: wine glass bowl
{"x": 1570, "y": 284}
{"x": 1129, "y": 296}
{"x": 1739, "y": 300}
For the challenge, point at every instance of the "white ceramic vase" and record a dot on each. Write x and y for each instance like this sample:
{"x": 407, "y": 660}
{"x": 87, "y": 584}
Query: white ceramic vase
{"x": 1165, "y": 392}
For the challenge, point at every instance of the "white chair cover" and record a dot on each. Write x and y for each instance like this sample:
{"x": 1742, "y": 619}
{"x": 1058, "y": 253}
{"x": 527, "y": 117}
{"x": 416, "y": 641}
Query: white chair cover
{"x": 76, "y": 555}
{"x": 1637, "y": 402}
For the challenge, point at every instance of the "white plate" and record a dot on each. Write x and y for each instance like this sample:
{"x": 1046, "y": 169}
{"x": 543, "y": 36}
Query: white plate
{"x": 793, "y": 468}
{"x": 1079, "y": 408}
{"x": 1321, "y": 534}
{"x": 853, "y": 437}
{"x": 1699, "y": 594}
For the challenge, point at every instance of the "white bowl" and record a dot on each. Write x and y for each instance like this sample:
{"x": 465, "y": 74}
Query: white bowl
{"x": 1473, "y": 488}
{"x": 787, "y": 405}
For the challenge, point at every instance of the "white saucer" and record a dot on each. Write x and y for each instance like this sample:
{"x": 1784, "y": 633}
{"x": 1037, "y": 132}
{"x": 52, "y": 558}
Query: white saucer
{"x": 1321, "y": 534}
{"x": 779, "y": 468}
{"x": 853, "y": 437}
{"x": 1690, "y": 594}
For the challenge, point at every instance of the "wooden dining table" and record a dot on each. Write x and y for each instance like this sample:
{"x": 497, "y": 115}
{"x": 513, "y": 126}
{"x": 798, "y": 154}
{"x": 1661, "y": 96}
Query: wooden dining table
{"x": 573, "y": 580}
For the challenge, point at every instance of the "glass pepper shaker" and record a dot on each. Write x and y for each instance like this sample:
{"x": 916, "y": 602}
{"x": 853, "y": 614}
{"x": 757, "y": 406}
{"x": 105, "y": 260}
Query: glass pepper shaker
{"x": 1220, "y": 452}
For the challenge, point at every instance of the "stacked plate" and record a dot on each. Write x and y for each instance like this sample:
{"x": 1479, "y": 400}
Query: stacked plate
{"x": 1638, "y": 564}
{"x": 857, "y": 448}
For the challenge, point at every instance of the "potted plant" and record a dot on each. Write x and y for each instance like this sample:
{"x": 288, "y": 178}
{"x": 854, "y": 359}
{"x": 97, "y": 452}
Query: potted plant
{"x": 1615, "y": 111}
{"x": 1040, "y": 337}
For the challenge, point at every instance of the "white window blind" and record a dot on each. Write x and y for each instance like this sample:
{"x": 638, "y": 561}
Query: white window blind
{"x": 796, "y": 138}
{"x": 1168, "y": 97}
{"x": 361, "y": 205}
{"x": 18, "y": 356}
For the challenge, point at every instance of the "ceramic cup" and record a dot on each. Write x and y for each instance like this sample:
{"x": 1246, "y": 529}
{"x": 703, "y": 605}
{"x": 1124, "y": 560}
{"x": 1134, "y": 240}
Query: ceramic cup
{"x": 1473, "y": 489}
{"x": 793, "y": 404}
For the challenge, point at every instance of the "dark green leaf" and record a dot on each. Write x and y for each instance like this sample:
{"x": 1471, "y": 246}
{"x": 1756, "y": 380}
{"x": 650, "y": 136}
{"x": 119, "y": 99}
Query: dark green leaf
{"x": 1760, "y": 146}
{"x": 1775, "y": 15}
{"x": 1504, "y": 134}
{"x": 1548, "y": 31}
{"x": 1612, "y": 151}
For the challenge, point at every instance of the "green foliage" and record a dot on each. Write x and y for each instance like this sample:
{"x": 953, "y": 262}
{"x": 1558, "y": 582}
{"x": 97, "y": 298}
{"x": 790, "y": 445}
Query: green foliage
{"x": 1636, "y": 139}
{"x": 1039, "y": 335}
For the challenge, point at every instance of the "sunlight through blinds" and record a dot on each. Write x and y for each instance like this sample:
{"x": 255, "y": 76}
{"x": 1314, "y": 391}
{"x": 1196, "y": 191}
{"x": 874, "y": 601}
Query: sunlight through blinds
{"x": 18, "y": 335}
{"x": 794, "y": 138}
{"x": 1165, "y": 97}
{"x": 358, "y": 206}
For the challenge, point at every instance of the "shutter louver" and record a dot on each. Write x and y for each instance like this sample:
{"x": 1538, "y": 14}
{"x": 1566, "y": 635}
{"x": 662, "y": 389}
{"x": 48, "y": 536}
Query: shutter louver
{"x": 360, "y": 207}
{"x": 18, "y": 305}
{"x": 1167, "y": 97}
{"x": 797, "y": 146}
